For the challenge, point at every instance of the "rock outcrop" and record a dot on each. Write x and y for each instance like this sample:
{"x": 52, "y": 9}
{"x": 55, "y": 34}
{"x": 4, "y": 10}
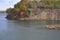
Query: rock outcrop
{"x": 56, "y": 26}
{"x": 47, "y": 14}
{"x": 34, "y": 10}
{"x": 39, "y": 15}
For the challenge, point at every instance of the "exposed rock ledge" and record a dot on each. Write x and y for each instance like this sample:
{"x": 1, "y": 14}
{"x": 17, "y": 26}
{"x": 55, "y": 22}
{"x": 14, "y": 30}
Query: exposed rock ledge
{"x": 56, "y": 26}
{"x": 46, "y": 14}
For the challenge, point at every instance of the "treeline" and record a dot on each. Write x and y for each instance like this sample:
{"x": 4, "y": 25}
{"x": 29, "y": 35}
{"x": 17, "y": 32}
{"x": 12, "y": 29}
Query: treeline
{"x": 24, "y": 5}
{"x": 2, "y": 12}
{"x": 55, "y": 4}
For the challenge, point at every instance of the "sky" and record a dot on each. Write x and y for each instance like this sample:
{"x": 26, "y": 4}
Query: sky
{"x": 4, "y": 4}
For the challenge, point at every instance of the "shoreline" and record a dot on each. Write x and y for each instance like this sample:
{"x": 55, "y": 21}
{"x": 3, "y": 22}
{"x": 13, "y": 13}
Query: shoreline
{"x": 47, "y": 14}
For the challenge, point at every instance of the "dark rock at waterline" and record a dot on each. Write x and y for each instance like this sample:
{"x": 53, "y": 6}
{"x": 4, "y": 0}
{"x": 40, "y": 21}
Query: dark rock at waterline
{"x": 12, "y": 17}
{"x": 8, "y": 17}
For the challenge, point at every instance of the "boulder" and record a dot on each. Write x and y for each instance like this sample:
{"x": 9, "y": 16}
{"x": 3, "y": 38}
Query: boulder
{"x": 53, "y": 26}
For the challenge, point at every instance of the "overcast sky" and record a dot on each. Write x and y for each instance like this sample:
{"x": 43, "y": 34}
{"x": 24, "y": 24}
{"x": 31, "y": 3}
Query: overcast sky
{"x": 4, "y": 4}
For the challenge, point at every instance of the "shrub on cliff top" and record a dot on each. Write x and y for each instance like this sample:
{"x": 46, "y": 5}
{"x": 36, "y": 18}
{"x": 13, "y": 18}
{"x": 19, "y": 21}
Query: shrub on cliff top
{"x": 52, "y": 3}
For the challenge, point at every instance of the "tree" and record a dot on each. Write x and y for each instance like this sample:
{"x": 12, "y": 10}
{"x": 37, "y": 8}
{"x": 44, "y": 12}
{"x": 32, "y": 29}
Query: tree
{"x": 21, "y": 5}
{"x": 32, "y": 4}
{"x": 10, "y": 10}
{"x": 51, "y": 3}
{"x": 24, "y": 0}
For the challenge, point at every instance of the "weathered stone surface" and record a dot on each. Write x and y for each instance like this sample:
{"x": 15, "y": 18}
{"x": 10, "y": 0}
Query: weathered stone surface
{"x": 39, "y": 15}
{"x": 53, "y": 26}
{"x": 46, "y": 14}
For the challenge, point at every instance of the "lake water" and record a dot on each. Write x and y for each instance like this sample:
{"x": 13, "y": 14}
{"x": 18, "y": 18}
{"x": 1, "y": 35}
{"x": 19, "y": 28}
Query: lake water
{"x": 26, "y": 30}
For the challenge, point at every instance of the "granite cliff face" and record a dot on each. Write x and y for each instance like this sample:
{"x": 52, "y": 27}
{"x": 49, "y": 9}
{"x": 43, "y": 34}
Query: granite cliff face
{"x": 47, "y": 14}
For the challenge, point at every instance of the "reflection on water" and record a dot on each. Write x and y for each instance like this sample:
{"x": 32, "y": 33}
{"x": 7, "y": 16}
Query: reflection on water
{"x": 26, "y": 30}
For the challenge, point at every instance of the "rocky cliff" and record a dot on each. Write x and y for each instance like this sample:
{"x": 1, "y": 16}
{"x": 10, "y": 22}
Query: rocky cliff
{"x": 47, "y": 14}
{"x": 35, "y": 10}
